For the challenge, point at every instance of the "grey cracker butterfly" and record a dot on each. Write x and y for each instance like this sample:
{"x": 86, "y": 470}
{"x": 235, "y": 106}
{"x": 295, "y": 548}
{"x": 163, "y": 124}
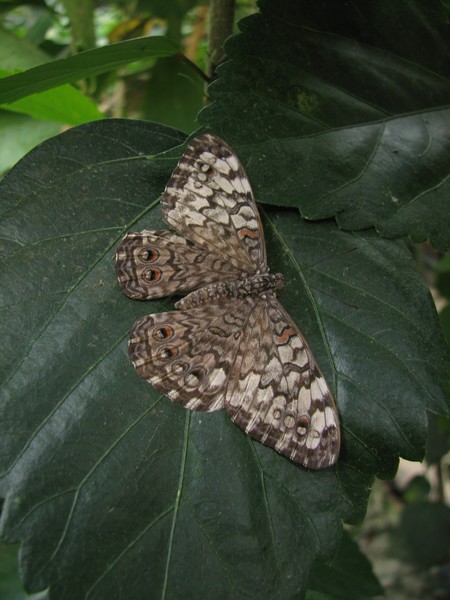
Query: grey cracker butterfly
{"x": 230, "y": 344}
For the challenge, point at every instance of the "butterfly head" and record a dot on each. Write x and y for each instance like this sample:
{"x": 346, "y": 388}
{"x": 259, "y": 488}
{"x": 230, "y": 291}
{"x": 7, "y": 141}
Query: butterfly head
{"x": 278, "y": 281}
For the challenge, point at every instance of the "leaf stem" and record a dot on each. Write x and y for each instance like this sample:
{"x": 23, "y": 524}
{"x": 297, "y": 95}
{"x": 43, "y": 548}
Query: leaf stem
{"x": 193, "y": 66}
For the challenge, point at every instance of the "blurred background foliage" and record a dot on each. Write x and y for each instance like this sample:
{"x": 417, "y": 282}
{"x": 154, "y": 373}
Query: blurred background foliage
{"x": 407, "y": 530}
{"x": 168, "y": 90}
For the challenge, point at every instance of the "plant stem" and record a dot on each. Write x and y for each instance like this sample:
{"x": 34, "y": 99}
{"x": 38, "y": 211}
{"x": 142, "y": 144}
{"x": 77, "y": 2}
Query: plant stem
{"x": 221, "y": 17}
{"x": 440, "y": 482}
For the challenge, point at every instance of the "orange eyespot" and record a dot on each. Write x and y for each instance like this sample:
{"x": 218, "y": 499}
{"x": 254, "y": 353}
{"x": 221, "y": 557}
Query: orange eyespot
{"x": 148, "y": 255}
{"x": 151, "y": 275}
{"x": 163, "y": 333}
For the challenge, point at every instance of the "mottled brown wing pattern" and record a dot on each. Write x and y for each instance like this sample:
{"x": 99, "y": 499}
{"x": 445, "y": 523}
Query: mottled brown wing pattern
{"x": 187, "y": 354}
{"x": 277, "y": 393}
{"x": 154, "y": 264}
{"x": 209, "y": 201}
{"x": 232, "y": 345}
{"x": 248, "y": 357}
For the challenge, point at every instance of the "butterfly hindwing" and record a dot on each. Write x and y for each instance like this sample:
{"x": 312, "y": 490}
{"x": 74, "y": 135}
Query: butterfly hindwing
{"x": 209, "y": 201}
{"x": 315, "y": 441}
{"x": 277, "y": 393}
{"x": 187, "y": 354}
{"x": 248, "y": 357}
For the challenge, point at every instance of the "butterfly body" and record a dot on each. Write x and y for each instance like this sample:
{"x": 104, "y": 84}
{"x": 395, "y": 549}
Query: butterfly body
{"x": 230, "y": 344}
{"x": 253, "y": 285}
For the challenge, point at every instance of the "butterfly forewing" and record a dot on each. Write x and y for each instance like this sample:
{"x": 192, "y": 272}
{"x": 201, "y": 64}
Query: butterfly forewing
{"x": 210, "y": 202}
{"x": 154, "y": 264}
{"x": 239, "y": 350}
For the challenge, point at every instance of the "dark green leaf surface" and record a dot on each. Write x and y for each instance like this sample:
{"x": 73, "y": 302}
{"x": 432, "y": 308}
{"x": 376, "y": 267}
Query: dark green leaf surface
{"x": 349, "y": 105}
{"x": 348, "y": 577}
{"x": 115, "y": 491}
{"x": 83, "y": 65}
{"x": 10, "y": 584}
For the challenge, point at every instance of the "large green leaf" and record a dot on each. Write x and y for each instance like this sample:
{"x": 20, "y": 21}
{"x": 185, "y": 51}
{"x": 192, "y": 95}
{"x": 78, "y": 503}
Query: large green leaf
{"x": 349, "y": 105}
{"x": 116, "y": 492}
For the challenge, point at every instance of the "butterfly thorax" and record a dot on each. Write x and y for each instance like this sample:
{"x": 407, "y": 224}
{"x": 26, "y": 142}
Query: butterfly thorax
{"x": 253, "y": 285}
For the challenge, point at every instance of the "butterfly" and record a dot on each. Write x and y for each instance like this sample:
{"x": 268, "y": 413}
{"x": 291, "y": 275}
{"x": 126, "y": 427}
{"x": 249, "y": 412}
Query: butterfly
{"x": 229, "y": 344}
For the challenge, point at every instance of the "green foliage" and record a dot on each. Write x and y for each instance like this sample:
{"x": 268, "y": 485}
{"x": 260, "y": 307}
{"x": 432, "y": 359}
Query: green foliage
{"x": 19, "y": 133}
{"x": 113, "y": 490}
{"x": 84, "y": 64}
{"x": 352, "y": 118}
{"x": 348, "y": 577}
{"x": 425, "y": 529}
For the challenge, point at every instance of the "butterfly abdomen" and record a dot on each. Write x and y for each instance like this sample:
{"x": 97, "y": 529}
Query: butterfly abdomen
{"x": 253, "y": 285}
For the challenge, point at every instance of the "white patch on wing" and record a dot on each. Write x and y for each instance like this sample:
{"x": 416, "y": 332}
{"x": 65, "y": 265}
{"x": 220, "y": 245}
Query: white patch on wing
{"x": 330, "y": 417}
{"x": 317, "y": 426}
{"x": 304, "y": 401}
{"x": 224, "y": 184}
{"x": 233, "y": 162}
{"x": 285, "y": 352}
{"x": 217, "y": 379}
{"x": 241, "y": 185}
{"x": 222, "y": 167}
{"x": 316, "y": 392}
{"x": 228, "y": 202}
{"x": 239, "y": 222}
{"x": 201, "y": 192}
{"x": 218, "y": 215}
{"x": 199, "y": 203}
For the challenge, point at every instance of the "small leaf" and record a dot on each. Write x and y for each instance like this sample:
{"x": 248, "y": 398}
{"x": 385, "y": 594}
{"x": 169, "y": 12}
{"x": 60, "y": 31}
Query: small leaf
{"x": 83, "y": 65}
{"x": 63, "y": 104}
{"x": 418, "y": 488}
{"x": 438, "y": 438}
{"x": 425, "y": 531}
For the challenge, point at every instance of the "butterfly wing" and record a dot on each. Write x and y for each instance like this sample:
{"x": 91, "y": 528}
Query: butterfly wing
{"x": 154, "y": 264}
{"x": 248, "y": 357}
{"x": 210, "y": 202}
{"x": 276, "y": 392}
{"x": 187, "y": 354}
{"x": 243, "y": 354}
